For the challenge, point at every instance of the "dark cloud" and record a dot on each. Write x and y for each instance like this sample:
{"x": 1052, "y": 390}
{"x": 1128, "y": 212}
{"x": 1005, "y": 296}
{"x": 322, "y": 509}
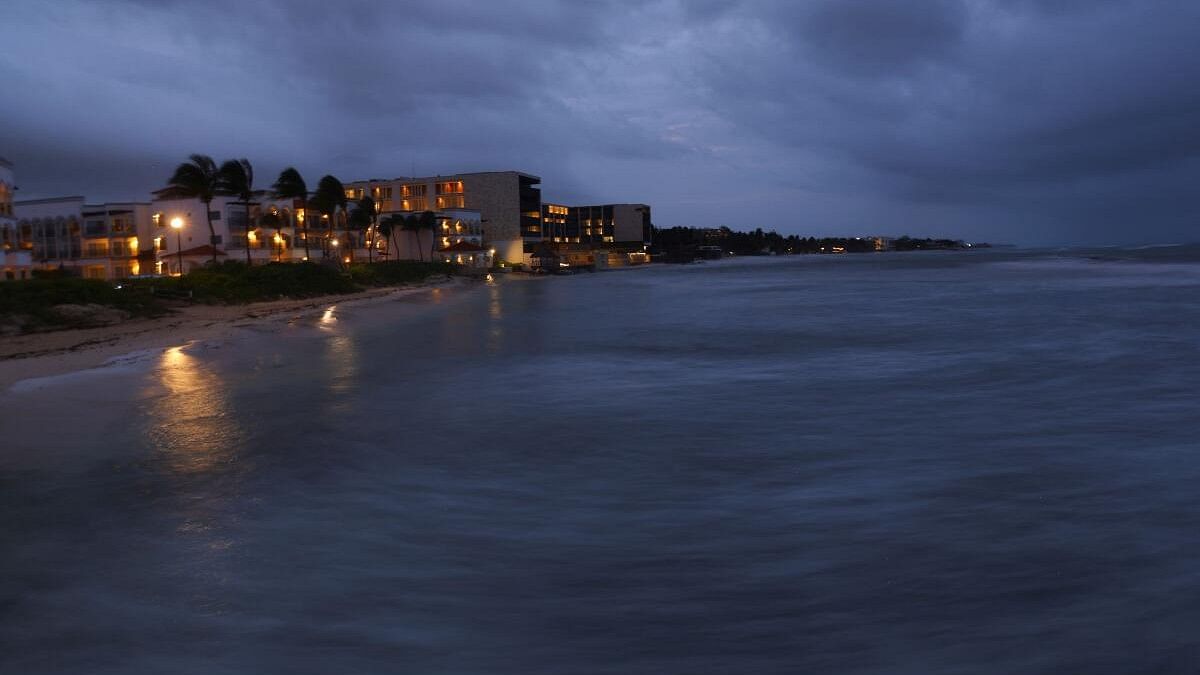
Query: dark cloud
{"x": 1025, "y": 120}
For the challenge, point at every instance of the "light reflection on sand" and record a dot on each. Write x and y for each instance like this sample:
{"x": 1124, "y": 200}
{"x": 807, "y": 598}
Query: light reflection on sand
{"x": 191, "y": 422}
{"x": 495, "y": 339}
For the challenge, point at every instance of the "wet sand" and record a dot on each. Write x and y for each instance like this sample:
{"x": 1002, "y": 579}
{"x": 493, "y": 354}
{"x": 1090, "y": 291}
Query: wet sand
{"x": 42, "y": 355}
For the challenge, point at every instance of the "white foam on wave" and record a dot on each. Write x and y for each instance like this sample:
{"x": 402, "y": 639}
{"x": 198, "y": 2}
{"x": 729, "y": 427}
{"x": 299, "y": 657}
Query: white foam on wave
{"x": 132, "y": 362}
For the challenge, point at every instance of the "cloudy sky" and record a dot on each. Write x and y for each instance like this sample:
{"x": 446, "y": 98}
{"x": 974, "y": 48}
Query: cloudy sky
{"x": 1029, "y": 121}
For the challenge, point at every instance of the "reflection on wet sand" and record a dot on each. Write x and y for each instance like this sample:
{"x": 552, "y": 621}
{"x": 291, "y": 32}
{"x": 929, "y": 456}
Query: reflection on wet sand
{"x": 495, "y": 339}
{"x": 341, "y": 355}
{"x": 192, "y": 422}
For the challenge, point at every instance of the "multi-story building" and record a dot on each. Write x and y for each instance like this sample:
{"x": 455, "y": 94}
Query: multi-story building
{"x": 624, "y": 226}
{"x": 15, "y": 259}
{"x": 509, "y": 203}
{"x": 97, "y": 241}
{"x": 193, "y": 245}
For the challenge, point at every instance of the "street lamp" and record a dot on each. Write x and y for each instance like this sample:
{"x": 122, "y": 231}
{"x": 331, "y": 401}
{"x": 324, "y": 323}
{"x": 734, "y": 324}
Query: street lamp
{"x": 177, "y": 225}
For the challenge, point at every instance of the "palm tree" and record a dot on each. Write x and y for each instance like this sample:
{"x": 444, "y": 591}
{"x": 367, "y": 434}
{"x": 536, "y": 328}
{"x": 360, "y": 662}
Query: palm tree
{"x": 237, "y": 180}
{"x": 412, "y": 224}
{"x": 388, "y": 227}
{"x": 367, "y": 222}
{"x": 271, "y": 219}
{"x": 428, "y": 221}
{"x": 198, "y": 178}
{"x": 360, "y": 221}
{"x": 290, "y": 185}
{"x": 328, "y": 199}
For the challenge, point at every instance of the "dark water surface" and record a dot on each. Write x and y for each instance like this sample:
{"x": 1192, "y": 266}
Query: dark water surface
{"x": 925, "y": 463}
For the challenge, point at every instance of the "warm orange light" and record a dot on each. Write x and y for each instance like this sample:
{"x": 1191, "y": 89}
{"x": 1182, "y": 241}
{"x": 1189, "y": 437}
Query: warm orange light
{"x": 177, "y": 223}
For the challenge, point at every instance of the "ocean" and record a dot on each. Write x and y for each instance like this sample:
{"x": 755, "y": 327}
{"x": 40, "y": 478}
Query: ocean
{"x": 944, "y": 462}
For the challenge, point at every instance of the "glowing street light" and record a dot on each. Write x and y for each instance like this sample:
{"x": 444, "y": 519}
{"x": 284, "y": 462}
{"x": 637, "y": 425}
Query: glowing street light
{"x": 177, "y": 225}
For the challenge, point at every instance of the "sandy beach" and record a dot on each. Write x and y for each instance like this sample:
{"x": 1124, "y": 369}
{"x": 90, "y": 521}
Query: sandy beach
{"x": 39, "y": 355}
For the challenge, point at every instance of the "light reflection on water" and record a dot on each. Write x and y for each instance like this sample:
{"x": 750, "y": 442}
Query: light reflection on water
{"x": 192, "y": 422}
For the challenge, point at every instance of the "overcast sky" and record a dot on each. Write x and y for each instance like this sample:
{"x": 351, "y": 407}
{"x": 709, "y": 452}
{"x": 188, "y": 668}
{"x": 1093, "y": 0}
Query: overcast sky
{"x": 1028, "y": 121}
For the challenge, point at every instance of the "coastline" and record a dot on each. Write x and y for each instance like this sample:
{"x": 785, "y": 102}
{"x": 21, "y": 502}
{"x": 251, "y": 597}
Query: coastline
{"x": 36, "y": 356}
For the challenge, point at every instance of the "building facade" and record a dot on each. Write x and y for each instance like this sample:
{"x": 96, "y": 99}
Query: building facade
{"x": 280, "y": 239}
{"x": 509, "y": 203}
{"x": 95, "y": 241}
{"x": 15, "y": 255}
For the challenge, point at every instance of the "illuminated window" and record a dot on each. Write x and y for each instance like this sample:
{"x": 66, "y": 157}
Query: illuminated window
{"x": 450, "y": 187}
{"x": 412, "y": 190}
{"x": 450, "y": 202}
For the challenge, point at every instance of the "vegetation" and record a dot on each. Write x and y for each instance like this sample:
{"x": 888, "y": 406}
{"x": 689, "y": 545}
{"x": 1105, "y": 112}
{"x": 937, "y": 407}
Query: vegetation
{"x": 329, "y": 198}
{"x": 290, "y": 185}
{"x": 57, "y": 302}
{"x": 362, "y": 219}
{"x": 198, "y": 178}
{"x": 236, "y": 179}
{"x": 682, "y": 241}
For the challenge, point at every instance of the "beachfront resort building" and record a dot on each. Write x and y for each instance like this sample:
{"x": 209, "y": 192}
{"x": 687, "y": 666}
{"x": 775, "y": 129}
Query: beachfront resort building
{"x": 95, "y": 241}
{"x": 15, "y": 259}
{"x": 474, "y": 219}
{"x": 600, "y": 236}
{"x": 508, "y": 204}
{"x": 182, "y": 239}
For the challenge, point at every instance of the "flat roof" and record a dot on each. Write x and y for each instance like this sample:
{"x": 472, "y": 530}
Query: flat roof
{"x": 48, "y": 200}
{"x": 448, "y": 175}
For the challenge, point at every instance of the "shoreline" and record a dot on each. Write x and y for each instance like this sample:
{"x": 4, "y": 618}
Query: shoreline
{"x": 37, "y": 356}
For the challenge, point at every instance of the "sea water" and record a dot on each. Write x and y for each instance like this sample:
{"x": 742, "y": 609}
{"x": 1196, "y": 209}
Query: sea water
{"x": 980, "y": 462}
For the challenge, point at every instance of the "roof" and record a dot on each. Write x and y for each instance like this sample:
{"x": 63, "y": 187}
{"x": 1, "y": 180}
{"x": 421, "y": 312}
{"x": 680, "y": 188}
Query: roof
{"x": 421, "y": 179}
{"x": 462, "y": 247}
{"x": 205, "y": 250}
{"x": 49, "y": 200}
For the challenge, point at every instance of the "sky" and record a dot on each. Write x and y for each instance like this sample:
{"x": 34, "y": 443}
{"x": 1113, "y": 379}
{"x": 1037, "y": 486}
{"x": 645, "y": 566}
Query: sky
{"x": 1021, "y": 121}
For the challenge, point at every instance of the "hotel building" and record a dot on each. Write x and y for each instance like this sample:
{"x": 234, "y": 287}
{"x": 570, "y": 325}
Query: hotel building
{"x": 96, "y": 241}
{"x": 508, "y": 203}
{"x": 15, "y": 259}
{"x": 192, "y": 244}
{"x": 583, "y": 234}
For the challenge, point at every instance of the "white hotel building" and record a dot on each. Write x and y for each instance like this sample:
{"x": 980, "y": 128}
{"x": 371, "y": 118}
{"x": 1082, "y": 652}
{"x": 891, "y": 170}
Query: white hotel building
{"x": 15, "y": 259}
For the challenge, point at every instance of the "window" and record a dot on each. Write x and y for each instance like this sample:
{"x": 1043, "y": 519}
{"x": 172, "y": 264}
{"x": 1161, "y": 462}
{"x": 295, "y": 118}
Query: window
{"x": 214, "y": 215}
{"x": 354, "y": 194}
{"x": 450, "y": 202}
{"x": 414, "y": 204}
{"x": 380, "y": 194}
{"x": 94, "y": 228}
{"x": 157, "y": 219}
{"x": 450, "y": 187}
{"x": 97, "y": 249}
{"x": 412, "y": 190}
{"x": 120, "y": 225}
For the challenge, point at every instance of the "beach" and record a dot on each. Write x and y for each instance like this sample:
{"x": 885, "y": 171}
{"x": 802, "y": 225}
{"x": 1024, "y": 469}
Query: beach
{"x": 40, "y": 355}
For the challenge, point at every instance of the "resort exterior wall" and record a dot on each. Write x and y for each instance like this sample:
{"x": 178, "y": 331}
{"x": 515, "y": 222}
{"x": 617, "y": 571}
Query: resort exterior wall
{"x": 15, "y": 259}
{"x": 509, "y": 202}
{"x": 97, "y": 241}
{"x": 229, "y": 233}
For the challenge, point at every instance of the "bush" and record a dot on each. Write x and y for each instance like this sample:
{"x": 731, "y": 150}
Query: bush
{"x": 235, "y": 283}
{"x": 397, "y": 272}
{"x": 31, "y": 304}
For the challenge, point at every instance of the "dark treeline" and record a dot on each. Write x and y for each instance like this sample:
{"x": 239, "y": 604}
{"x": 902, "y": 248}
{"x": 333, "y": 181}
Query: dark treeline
{"x": 680, "y": 240}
